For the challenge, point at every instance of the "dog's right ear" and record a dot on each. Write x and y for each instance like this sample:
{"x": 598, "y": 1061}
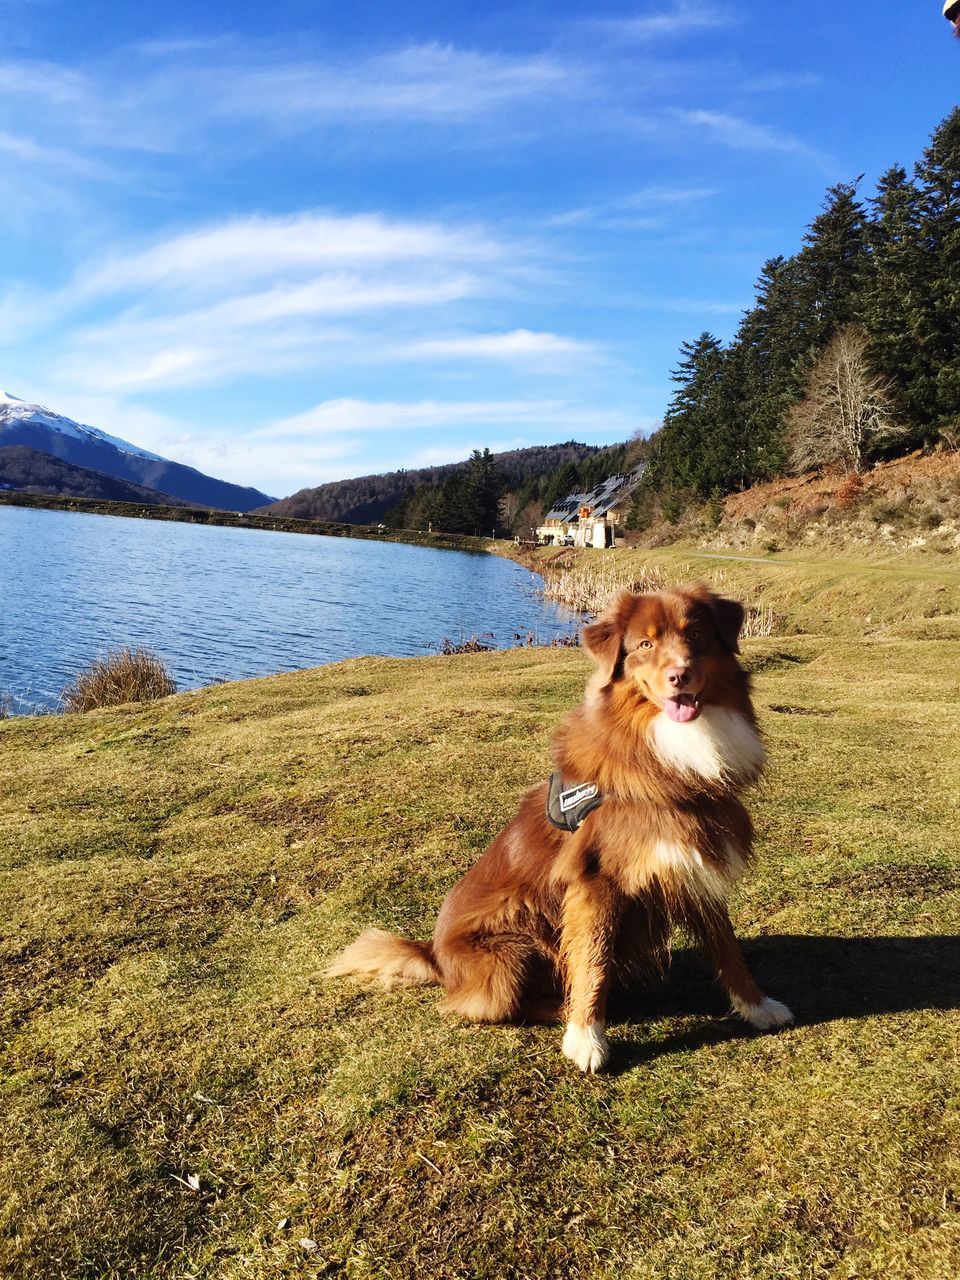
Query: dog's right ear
{"x": 603, "y": 639}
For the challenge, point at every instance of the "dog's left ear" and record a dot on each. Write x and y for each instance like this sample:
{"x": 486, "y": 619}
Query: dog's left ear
{"x": 603, "y": 639}
{"x": 729, "y": 616}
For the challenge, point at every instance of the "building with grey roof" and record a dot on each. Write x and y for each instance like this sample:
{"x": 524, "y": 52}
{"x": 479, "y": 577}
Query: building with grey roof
{"x": 590, "y": 519}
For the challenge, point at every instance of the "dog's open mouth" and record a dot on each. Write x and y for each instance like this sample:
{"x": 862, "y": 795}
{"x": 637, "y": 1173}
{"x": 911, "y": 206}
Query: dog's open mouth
{"x": 684, "y": 707}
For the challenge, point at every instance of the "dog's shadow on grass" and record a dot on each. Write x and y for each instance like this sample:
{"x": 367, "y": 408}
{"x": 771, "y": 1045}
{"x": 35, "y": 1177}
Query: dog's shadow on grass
{"x": 821, "y": 979}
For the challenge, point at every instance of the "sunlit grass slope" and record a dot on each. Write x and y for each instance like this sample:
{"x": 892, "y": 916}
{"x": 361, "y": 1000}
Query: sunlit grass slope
{"x": 842, "y": 595}
{"x": 185, "y": 1094}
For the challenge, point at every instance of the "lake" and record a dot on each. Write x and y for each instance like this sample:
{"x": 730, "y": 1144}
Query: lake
{"x": 223, "y": 604}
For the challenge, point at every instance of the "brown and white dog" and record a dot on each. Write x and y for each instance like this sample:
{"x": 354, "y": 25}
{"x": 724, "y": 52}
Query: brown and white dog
{"x": 647, "y": 833}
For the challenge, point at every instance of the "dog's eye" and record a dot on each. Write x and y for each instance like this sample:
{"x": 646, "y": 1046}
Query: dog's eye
{"x": 645, "y": 644}
{"x": 694, "y": 634}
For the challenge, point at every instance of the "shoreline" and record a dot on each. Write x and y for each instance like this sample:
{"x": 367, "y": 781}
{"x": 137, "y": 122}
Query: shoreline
{"x": 17, "y": 706}
{"x": 247, "y": 520}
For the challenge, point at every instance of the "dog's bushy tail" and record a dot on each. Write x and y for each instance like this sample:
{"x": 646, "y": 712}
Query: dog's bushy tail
{"x": 388, "y": 958}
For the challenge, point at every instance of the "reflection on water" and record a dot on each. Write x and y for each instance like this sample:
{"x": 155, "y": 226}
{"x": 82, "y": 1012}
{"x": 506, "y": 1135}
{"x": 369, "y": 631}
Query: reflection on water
{"x": 220, "y": 603}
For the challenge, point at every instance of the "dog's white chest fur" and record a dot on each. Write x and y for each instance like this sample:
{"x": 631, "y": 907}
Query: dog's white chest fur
{"x": 720, "y": 745}
{"x": 687, "y": 866}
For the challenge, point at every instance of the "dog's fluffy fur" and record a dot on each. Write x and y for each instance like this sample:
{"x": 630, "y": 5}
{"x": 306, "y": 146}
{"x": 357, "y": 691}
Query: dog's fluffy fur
{"x": 546, "y": 919}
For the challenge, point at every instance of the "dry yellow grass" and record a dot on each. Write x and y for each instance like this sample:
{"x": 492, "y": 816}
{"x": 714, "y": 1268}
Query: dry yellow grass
{"x": 122, "y": 675}
{"x": 185, "y": 1095}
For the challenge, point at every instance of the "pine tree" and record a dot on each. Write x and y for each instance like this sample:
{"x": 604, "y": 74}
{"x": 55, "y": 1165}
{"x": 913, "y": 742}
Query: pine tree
{"x": 761, "y": 368}
{"x": 801, "y": 302}
{"x": 692, "y": 447}
{"x": 897, "y": 307}
{"x": 938, "y": 177}
{"x": 482, "y": 493}
{"x": 832, "y": 266}
{"x": 453, "y": 512}
{"x": 559, "y": 483}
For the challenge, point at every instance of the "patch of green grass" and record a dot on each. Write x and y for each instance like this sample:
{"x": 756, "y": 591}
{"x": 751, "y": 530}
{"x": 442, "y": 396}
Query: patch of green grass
{"x": 184, "y": 1093}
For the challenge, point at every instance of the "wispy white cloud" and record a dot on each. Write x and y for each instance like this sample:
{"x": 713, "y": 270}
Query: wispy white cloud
{"x": 744, "y": 135}
{"x": 275, "y": 467}
{"x": 780, "y": 82}
{"x": 690, "y": 306}
{"x": 679, "y": 19}
{"x": 350, "y": 414}
{"x": 48, "y": 82}
{"x": 160, "y": 97}
{"x": 186, "y": 44}
{"x": 652, "y": 202}
{"x": 518, "y": 345}
{"x": 169, "y": 98}
{"x": 271, "y": 330}
{"x": 252, "y": 248}
{"x": 261, "y": 294}
{"x": 418, "y": 83}
{"x": 35, "y": 153}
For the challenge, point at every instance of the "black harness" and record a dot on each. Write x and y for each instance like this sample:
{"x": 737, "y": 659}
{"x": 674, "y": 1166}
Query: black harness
{"x": 567, "y": 806}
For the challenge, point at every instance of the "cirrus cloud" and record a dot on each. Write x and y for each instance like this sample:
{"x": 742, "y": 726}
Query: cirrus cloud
{"x": 519, "y": 344}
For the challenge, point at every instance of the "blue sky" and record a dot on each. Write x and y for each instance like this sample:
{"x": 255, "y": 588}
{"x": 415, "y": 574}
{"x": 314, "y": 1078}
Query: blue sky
{"x": 293, "y": 243}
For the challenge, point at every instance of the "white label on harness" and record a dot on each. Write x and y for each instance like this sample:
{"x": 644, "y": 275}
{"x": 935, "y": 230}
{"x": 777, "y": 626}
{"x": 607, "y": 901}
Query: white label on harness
{"x": 570, "y": 799}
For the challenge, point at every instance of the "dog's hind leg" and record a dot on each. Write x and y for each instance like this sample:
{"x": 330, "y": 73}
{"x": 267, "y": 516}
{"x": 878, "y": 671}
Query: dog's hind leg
{"x": 713, "y": 928}
{"x": 484, "y": 977}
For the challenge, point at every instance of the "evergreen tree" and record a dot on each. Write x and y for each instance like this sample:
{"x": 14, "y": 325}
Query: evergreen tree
{"x": 482, "y": 493}
{"x": 897, "y": 307}
{"x": 452, "y": 510}
{"x": 760, "y": 369}
{"x": 938, "y": 178}
{"x": 559, "y": 483}
{"x": 398, "y": 517}
{"x": 694, "y": 445}
{"x": 608, "y": 462}
{"x": 831, "y": 267}
{"x": 801, "y": 302}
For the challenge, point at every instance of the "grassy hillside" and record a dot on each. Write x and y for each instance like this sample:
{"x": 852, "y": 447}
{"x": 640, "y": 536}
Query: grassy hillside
{"x": 186, "y": 1095}
{"x": 908, "y": 508}
{"x": 840, "y": 594}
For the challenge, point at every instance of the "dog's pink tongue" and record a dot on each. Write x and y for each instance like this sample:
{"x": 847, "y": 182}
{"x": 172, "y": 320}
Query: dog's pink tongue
{"x": 682, "y": 708}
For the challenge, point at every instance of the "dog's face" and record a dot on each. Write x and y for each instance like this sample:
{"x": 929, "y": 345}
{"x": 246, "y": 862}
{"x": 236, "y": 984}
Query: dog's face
{"x": 677, "y": 648}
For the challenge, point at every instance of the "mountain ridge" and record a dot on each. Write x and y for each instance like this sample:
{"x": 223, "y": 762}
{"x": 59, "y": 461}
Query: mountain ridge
{"x": 27, "y": 470}
{"x": 366, "y": 499}
{"x": 41, "y": 429}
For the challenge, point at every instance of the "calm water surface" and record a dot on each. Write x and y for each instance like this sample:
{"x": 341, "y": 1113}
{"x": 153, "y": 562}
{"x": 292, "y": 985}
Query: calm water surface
{"x": 220, "y": 603}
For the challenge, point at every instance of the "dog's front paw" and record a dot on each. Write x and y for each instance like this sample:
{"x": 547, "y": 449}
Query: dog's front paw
{"x": 587, "y": 1046}
{"x": 768, "y": 1015}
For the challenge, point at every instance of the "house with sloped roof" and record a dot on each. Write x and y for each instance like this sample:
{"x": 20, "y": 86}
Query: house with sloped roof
{"x": 591, "y": 519}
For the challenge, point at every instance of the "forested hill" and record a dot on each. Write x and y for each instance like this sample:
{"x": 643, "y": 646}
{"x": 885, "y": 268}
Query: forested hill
{"x": 850, "y": 353}
{"x": 33, "y": 471}
{"x": 367, "y": 499}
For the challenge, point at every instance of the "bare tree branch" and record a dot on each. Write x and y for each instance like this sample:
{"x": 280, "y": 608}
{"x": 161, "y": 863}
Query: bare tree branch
{"x": 847, "y": 411}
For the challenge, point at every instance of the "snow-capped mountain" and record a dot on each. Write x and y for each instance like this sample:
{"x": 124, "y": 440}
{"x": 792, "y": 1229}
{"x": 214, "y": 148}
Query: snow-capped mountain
{"x": 40, "y": 428}
{"x": 12, "y": 409}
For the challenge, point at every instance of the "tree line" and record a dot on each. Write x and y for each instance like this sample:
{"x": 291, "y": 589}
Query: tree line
{"x": 488, "y": 496}
{"x": 850, "y": 352}
{"x": 367, "y": 499}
